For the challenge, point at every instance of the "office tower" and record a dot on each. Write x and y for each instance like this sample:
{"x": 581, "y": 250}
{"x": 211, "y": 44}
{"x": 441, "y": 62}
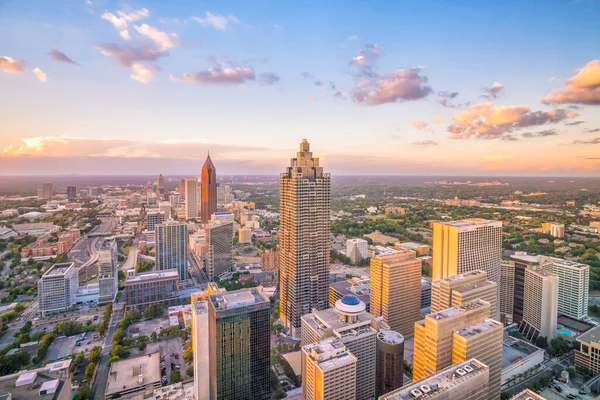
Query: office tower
{"x": 71, "y": 192}
{"x": 154, "y": 218}
{"x": 455, "y": 290}
{"x": 356, "y": 250}
{"x": 396, "y": 290}
{"x": 147, "y": 288}
{"x": 540, "y": 305}
{"x": 160, "y": 183}
{"x": 434, "y": 334}
{"x": 464, "y": 381}
{"x": 200, "y": 350}
{"x": 245, "y": 235}
{"x": 108, "y": 278}
{"x": 425, "y": 293}
{"x": 527, "y": 395}
{"x": 512, "y": 292}
{"x": 390, "y": 362}
{"x": 208, "y": 190}
{"x": 57, "y": 289}
{"x": 191, "y": 198}
{"x": 360, "y": 287}
{"x": 219, "y": 243}
{"x": 573, "y": 286}
{"x": 482, "y": 341}
{"x": 47, "y": 191}
{"x": 165, "y": 207}
{"x": 182, "y": 187}
{"x": 507, "y": 292}
{"x": 305, "y": 204}
{"x": 239, "y": 345}
{"x": 40, "y": 193}
{"x": 467, "y": 245}
{"x": 328, "y": 371}
{"x": 356, "y": 329}
{"x": 171, "y": 247}
{"x": 587, "y": 350}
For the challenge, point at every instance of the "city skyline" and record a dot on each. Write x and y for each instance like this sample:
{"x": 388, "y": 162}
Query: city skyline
{"x": 144, "y": 86}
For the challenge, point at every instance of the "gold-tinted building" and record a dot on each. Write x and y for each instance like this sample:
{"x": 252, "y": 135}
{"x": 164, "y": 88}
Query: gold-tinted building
{"x": 396, "y": 290}
{"x": 208, "y": 190}
{"x": 588, "y": 353}
{"x": 455, "y": 290}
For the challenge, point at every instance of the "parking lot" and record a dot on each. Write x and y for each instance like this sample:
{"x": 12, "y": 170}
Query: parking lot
{"x": 172, "y": 351}
{"x": 65, "y": 346}
{"x": 149, "y": 326}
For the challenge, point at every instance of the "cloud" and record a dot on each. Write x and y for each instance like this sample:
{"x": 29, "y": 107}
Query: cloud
{"x": 9, "y": 64}
{"x": 574, "y": 123}
{"x": 40, "y": 75}
{"x": 311, "y": 99}
{"x": 269, "y": 78}
{"x": 587, "y": 141}
{"x": 425, "y": 143}
{"x": 445, "y": 98}
{"x": 402, "y": 85}
{"x": 308, "y": 75}
{"x": 437, "y": 120}
{"x": 58, "y": 55}
{"x": 588, "y": 130}
{"x": 544, "y": 133}
{"x": 218, "y": 75}
{"x": 120, "y": 20}
{"x": 366, "y": 58}
{"x": 163, "y": 40}
{"x": 486, "y": 121}
{"x": 218, "y": 22}
{"x": 419, "y": 124}
{"x": 497, "y": 157}
{"x": 493, "y": 92}
{"x": 353, "y": 37}
{"x": 583, "y": 88}
{"x": 132, "y": 57}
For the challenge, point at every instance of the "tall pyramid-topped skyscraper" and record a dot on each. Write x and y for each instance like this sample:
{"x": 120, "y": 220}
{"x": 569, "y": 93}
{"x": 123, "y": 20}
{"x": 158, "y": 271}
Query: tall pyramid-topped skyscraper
{"x": 208, "y": 190}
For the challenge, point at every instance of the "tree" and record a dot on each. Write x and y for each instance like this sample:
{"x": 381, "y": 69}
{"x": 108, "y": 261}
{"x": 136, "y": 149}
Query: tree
{"x": 89, "y": 371}
{"x": 95, "y": 354}
{"x": 85, "y": 393}
{"x": 154, "y": 336}
{"x": 572, "y": 372}
{"x": 190, "y": 371}
{"x": 119, "y": 335}
{"x": 142, "y": 346}
{"x": 188, "y": 354}
{"x": 79, "y": 358}
{"x": 154, "y": 310}
{"x": 175, "y": 376}
{"x": 541, "y": 342}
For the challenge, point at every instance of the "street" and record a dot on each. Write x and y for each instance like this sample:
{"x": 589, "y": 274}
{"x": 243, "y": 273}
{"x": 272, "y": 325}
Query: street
{"x": 99, "y": 388}
{"x": 550, "y": 366}
{"x": 15, "y": 326}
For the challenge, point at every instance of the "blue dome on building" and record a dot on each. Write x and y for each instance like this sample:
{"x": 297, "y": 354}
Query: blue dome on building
{"x": 350, "y": 300}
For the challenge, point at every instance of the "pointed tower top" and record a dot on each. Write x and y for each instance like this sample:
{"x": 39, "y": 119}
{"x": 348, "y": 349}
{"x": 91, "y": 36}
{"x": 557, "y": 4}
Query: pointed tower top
{"x": 208, "y": 162}
{"x": 304, "y": 145}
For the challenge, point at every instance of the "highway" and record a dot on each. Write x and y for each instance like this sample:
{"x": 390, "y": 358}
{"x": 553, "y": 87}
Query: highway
{"x": 131, "y": 257}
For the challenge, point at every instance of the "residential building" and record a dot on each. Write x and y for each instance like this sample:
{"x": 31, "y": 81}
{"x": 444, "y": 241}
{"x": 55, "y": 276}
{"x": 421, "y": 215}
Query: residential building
{"x": 463, "y": 381}
{"x": 108, "y": 268}
{"x": 518, "y": 356}
{"x": 467, "y": 245}
{"x": 270, "y": 260}
{"x": 328, "y": 371}
{"x": 219, "y": 247}
{"x": 133, "y": 376}
{"x": 191, "y": 198}
{"x": 356, "y": 329}
{"x": 357, "y": 250}
{"x": 165, "y": 207}
{"x": 554, "y": 229}
{"x": 66, "y": 240}
{"x": 71, "y": 192}
{"x": 360, "y": 287}
{"x": 154, "y": 218}
{"x": 457, "y": 289}
{"x": 434, "y": 335}
{"x": 573, "y": 286}
{"x": 396, "y": 290}
{"x": 146, "y": 288}
{"x": 587, "y": 351}
{"x": 482, "y": 341}
{"x": 245, "y": 235}
{"x": 540, "y": 305}
{"x": 201, "y": 350}
{"x": 208, "y": 190}
{"x": 182, "y": 187}
{"x": 171, "y": 247}
{"x": 239, "y": 345}
{"x": 47, "y": 191}
{"x": 57, "y": 289}
{"x": 305, "y": 205}
{"x": 390, "y": 362}
{"x": 512, "y": 292}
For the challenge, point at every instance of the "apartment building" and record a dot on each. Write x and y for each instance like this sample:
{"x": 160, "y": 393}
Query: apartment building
{"x": 57, "y": 289}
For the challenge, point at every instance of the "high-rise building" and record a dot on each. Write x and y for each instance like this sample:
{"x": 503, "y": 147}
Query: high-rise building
{"x": 554, "y": 229}
{"x": 219, "y": 247}
{"x": 165, "y": 207}
{"x": 464, "y": 381}
{"x": 160, "y": 183}
{"x": 467, "y": 245}
{"x": 328, "y": 371}
{"x": 587, "y": 351}
{"x": 482, "y": 341}
{"x": 154, "y": 218}
{"x": 540, "y": 304}
{"x": 208, "y": 190}
{"x": 239, "y": 345}
{"x": 57, "y": 289}
{"x": 182, "y": 187}
{"x": 147, "y": 288}
{"x": 396, "y": 290}
{"x": 71, "y": 192}
{"x": 305, "y": 204}
{"x": 171, "y": 239}
{"x": 47, "y": 191}
{"x": 512, "y": 293}
{"x": 245, "y": 235}
{"x": 573, "y": 286}
{"x": 425, "y": 293}
{"x": 434, "y": 335}
{"x": 191, "y": 198}
{"x": 356, "y": 250}
{"x": 108, "y": 278}
{"x": 390, "y": 362}
{"x": 200, "y": 350}
{"x": 455, "y": 290}
{"x": 356, "y": 329}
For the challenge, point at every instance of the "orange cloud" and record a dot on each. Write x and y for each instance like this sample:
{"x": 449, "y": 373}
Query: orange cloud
{"x": 419, "y": 124}
{"x": 9, "y": 64}
{"x": 583, "y": 88}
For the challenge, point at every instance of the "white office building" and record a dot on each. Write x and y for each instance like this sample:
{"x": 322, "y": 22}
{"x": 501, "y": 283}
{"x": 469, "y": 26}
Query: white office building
{"x": 191, "y": 198}
{"x": 108, "y": 279}
{"x": 356, "y": 250}
{"x": 57, "y": 289}
{"x": 200, "y": 349}
{"x": 573, "y": 287}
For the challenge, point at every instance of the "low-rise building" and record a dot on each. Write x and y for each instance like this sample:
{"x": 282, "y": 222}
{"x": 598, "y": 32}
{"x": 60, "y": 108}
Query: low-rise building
{"x": 360, "y": 287}
{"x": 151, "y": 287}
{"x": 587, "y": 351}
{"x": 519, "y": 356}
{"x": 133, "y": 375}
{"x": 52, "y": 382}
{"x": 527, "y": 395}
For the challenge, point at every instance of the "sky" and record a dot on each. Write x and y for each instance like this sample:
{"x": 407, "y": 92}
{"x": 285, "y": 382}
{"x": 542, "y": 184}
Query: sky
{"x": 496, "y": 88}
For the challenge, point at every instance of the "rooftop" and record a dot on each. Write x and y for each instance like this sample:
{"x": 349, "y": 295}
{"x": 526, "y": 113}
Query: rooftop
{"x": 523, "y": 256}
{"x": 200, "y": 307}
{"x": 330, "y": 354}
{"x": 514, "y": 349}
{"x": 458, "y": 310}
{"x": 479, "y": 327}
{"x": 237, "y": 299}
{"x": 144, "y": 276}
{"x": 132, "y": 373}
{"x": 463, "y": 276}
{"x": 439, "y": 382}
{"x": 30, "y": 389}
{"x": 331, "y": 319}
{"x": 59, "y": 269}
{"x": 591, "y": 336}
{"x": 390, "y": 337}
{"x": 472, "y": 222}
{"x": 527, "y": 395}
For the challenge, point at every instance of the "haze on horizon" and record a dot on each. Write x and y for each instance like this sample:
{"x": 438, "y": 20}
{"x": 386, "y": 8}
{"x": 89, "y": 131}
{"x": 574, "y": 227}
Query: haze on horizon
{"x": 100, "y": 87}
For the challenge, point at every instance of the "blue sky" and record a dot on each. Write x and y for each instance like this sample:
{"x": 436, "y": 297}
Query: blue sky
{"x": 387, "y": 117}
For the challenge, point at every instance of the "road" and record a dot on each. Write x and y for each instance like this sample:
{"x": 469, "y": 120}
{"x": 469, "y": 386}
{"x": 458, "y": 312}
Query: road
{"x": 99, "y": 388}
{"x": 132, "y": 256}
{"x": 197, "y": 272}
{"x": 550, "y": 366}
{"x": 14, "y": 327}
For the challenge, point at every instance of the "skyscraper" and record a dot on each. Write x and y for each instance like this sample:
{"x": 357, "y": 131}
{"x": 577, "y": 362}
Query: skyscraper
{"x": 47, "y": 191}
{"x": 182, "y": 187}
{"x": 239, "y": 345}
{"x": 154, "y": 218}
{"x": 455, "y": 290}
{"x": 71, "y": 192}
{"x": 396, "y": 290}
{"x": 160, "y": 183}
{"x": 57, "y": 289}
{"x": 467, "y": 245}
{"x": 191, "y": 198}
{"x": 208, "y": 190}
{"x": 512, "y": 293}
{"x": 540, "y": 304}
{"x": 200, "y": 350}
{"x": 171, "y": 239}
{"x": 573, "y": 287}
{"x": 356, "y": 250}
{"x": 305, "y": 203}
{"x": 390, "y": 362}
{"x": 219, "y": 243}
{"x": 108, "y": 279}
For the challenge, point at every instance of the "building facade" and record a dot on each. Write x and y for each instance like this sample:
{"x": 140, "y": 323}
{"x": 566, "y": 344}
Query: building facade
{"x": 357, "y": 250}
{"x": 208, "y": 190}
{"x": 57, "y": 289}
{"x": 171, "y": 240}
{"x": 587, "y": 351}
{"x": 305, "y": 204}
{"x": 390, "y": 362}
{"x": 540, "y": 305}
{"x": 219, "y": 242}
{"x": 108, "y": 278}
{"x": 200, "y": 350}
{"x": 573, "y": 287}
{"x": 147, "y": 288}
{"x": 455, "y": 290}
{"x": 191, "y": 198}
{"x": 154, "y": 218}
{"x": 71, "y": 192}
{"x": 47, "y": 191}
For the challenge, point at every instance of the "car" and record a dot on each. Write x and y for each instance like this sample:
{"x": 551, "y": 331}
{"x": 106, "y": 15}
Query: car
{"x": 177, "y": 356}
{"x": 571, "y": 396}
{"x": 558, "y": 389}
{"x": 177, "y": 366}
